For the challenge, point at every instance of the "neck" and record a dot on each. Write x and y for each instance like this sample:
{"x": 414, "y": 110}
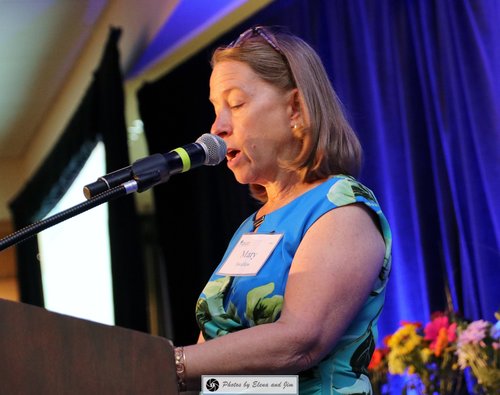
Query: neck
{"x": 280, "y": 195}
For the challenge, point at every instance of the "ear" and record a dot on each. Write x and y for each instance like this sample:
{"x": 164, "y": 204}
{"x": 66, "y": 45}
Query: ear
{"x": 295, "y": 108}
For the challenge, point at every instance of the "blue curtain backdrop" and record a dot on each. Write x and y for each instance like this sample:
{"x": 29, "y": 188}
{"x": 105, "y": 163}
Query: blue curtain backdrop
{"x": 420, "y": 81}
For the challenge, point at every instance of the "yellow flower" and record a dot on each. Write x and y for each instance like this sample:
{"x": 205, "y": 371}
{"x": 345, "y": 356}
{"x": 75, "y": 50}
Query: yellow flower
{"x": 405, "y": 340}
{"x": 426, "y": 354}
{"x": 395, "y": 364}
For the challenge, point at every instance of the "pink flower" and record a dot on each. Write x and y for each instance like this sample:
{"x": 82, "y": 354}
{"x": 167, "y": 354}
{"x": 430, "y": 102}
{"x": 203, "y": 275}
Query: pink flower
{"x": 440, "y": 332}
{"x": 474, "y": 333}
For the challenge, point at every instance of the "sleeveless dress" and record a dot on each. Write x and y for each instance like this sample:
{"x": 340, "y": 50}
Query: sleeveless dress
{"x": 231, "y": 303}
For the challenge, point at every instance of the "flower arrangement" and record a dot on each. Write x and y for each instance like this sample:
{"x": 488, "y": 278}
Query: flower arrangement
{"x": 478, "y": 348}
{"x": 434, "y": 357}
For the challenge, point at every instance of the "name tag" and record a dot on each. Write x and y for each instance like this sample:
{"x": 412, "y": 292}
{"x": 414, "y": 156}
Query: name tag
{"x": 250, "y": 254}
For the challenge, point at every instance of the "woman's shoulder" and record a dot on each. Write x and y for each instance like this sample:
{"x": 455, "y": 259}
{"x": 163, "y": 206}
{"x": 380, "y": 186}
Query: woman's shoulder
{"x": 344, "y": 189}
{"x": 341, "y": 190}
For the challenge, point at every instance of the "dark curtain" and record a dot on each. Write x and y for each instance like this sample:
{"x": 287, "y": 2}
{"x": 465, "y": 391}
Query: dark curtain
{"x": 420, "y": 81}
{"x": 196, "y": 212}
{"x": 100, "y": 116}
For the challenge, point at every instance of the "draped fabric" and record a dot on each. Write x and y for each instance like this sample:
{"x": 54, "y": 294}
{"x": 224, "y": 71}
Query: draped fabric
{"x": 100, "y": 116}
{"x": 196, "y": 212}
{"x": 420, "y": 82}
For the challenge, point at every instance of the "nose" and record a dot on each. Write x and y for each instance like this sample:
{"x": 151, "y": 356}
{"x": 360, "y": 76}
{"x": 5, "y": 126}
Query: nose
{"x": 222, "y": 125}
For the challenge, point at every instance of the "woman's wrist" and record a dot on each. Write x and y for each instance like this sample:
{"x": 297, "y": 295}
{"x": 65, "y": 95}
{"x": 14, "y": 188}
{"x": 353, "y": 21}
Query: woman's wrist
{"x": 180, "y": 367}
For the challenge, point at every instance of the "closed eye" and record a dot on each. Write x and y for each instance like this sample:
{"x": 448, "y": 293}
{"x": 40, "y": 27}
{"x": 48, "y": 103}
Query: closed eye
{"x": 235, "y": 107}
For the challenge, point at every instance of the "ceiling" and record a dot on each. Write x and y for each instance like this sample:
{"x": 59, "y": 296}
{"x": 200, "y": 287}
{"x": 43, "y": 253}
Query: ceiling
{"x": 41, "y": 42}
{"x": 49, "y": 50}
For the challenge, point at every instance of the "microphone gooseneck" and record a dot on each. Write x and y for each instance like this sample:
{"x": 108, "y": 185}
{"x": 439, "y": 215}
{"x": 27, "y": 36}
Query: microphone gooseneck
{"x": 208, "y": 150}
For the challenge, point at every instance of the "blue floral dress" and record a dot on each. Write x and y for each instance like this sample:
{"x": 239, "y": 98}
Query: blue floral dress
{"x": 228, "y": 304}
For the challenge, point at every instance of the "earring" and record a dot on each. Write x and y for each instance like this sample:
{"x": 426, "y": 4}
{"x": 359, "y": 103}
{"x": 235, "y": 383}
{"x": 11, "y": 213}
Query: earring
{"x": 295, "y": 126}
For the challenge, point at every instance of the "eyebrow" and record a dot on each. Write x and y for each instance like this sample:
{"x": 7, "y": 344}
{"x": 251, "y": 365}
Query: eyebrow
{"x": 226, "y": 92}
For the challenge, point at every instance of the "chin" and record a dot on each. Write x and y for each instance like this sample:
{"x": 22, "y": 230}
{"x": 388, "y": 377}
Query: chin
{"x": 241, "y": 178}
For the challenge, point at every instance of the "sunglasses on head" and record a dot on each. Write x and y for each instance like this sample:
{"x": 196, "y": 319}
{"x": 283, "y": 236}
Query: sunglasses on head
{"x": 256, "y": 31}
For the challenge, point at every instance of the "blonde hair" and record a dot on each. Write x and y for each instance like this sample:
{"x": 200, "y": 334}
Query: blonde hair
{"x": 328, "y": 144}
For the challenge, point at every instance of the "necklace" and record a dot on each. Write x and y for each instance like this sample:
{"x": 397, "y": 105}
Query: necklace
{"x": 258, "y": 221}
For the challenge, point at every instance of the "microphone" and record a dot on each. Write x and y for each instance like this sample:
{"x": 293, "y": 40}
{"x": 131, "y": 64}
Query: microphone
{"x": 155, "y": 169}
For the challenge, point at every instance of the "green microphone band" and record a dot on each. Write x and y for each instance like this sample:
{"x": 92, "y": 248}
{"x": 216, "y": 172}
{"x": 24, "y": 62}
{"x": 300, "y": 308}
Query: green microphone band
{"x": 186, "y": 160}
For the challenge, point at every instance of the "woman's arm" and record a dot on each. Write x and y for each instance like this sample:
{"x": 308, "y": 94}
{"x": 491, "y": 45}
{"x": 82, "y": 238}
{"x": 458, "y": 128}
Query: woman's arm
{"x": 332, "y": 274}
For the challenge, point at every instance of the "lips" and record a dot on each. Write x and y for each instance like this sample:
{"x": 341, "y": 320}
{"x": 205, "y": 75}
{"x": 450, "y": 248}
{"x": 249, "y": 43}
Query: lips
{"x": 231, "y": 154}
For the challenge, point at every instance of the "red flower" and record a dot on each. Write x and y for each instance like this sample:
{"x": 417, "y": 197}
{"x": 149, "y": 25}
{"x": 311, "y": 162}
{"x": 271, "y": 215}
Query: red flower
{"x": 415, "y": 324}
{"x": 437, "y": 314}
{"x": 377, "y": 358}
{"x": 440, "y": 333}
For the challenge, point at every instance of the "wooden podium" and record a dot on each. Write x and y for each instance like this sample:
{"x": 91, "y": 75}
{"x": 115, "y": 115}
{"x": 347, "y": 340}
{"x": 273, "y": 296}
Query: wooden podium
{"x": 42, "y": 352}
